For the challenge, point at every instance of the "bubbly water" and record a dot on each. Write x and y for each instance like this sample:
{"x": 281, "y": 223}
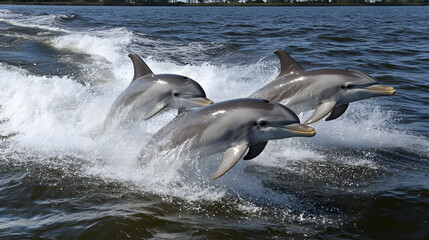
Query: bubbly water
{"x": 364, "y": 175}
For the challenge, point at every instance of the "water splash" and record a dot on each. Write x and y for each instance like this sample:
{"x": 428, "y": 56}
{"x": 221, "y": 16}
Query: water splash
{"x": 46, "y": 22}
{"x": 57, "y": 116}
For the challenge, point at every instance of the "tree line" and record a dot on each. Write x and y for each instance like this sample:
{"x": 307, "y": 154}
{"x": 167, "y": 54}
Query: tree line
{"x": 220, "y": 2}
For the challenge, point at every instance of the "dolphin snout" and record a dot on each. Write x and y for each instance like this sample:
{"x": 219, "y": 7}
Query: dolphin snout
{"x": 382, "y": 90}
{"x": 300, "y": 130}
{"x": 201, "y": 101}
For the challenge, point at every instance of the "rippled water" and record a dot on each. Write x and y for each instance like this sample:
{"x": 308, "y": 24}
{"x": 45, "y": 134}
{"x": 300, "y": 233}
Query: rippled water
{"x": 364, "y": 176}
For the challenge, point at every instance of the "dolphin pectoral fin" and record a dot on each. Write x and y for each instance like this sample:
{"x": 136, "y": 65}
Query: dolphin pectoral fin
{"x": 287, "y": 64}
{"x": 155, "y": 110}
{"x": 321, "y": 111}
{"x": 140, "y": 67}
{"x": 255, "y": 150}
{"x": 229, "y": 159}
{"x": 337, "y": 111}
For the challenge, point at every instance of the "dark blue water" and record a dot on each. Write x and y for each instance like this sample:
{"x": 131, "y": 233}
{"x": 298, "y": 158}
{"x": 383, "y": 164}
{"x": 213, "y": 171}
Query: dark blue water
{"x": 363, "y": 176}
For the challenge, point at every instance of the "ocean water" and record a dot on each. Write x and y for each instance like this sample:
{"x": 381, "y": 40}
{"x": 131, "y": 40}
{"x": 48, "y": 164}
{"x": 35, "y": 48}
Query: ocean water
{"x": 363, "y": 176}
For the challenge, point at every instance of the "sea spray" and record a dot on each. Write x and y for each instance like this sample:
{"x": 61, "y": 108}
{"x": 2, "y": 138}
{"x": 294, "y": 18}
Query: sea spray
{"x": 56, "y": 116}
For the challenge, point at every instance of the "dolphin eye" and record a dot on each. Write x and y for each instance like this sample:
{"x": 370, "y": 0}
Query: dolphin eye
{"x": 175, "y": 94}
{"x": 262, "y": 123}
{"x": 347, "y": 86}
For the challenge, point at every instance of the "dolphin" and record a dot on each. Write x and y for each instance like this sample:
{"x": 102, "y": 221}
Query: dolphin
{"x": 324, "y": 90}
{"x": 232, "y": 127}
{"x": 150, "y": 93}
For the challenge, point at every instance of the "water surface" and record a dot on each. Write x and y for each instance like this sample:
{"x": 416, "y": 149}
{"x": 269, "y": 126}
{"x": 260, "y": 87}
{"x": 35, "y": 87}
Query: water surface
{"x": 363, "y": 176}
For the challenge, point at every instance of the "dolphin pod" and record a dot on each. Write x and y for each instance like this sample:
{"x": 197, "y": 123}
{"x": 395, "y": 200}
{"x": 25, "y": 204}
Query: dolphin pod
{"x": 241, "y": 128}
{"x": 149, "y": 94}
{"x": 324, "y": 90}
{"x": 232, "y": 127}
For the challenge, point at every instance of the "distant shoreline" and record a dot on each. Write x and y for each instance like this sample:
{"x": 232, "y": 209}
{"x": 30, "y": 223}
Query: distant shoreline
{"x": 83, "y": 3}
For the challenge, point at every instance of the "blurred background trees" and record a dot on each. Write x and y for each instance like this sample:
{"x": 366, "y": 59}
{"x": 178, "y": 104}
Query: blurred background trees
{"x": 223, "y": 2}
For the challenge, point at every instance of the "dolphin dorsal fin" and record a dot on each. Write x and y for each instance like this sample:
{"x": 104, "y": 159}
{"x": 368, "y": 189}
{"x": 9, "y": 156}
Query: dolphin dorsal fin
{"x": 140, "y": 67}
{"x": 288, "y": 65}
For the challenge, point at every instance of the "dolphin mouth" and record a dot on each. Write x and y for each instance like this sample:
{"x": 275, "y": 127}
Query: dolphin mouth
{"x": 300, "y": 130}
{"x": 382, "y": 89}
{"x": 201, "y": 101}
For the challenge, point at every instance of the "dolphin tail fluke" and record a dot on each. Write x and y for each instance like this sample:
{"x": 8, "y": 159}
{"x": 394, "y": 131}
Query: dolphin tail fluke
{"x": 337, "y": 111}
{"x": 229, "y": 159}
{"x": 140, "y": 67}
{"x": 255, "y": 150}
{"x": 288, "y": 65}
{"x": 321, "y": 111}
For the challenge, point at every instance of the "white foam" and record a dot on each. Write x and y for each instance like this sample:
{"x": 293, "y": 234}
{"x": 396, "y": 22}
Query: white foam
{"x": 108, "y": 44}
{"x": 5, "y": 13}
{"x": 44, "y": 22}
{"x": 46, "y": 111}
{"x": 367, "y": 125}
{"x": 58, "y": 116}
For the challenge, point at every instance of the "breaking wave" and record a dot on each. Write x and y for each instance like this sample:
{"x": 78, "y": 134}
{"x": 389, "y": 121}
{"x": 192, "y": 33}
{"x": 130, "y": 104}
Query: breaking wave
{"x": 53, "y": 117}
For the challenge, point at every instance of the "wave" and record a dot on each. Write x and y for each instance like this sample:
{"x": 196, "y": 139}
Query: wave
{"x": 8, "y": 13}
{"x": 42, "y": 21}
{"x": 68, "y": 17}
{"x": 57, "y": 116}
{"x": 108, "y": 44}
{"x": 36, "y": 22}
{"x": 45, "y": 117}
